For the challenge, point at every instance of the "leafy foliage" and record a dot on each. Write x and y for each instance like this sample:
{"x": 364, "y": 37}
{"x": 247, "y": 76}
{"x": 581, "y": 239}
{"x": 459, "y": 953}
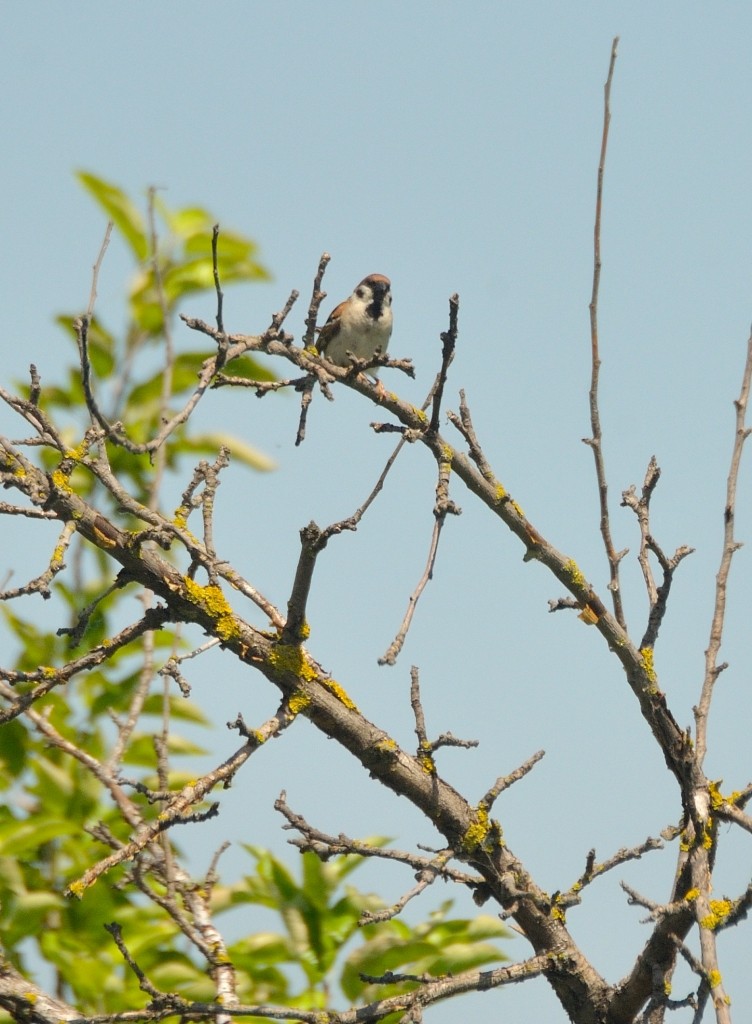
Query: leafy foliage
{"x": 58, "y": 768}
{"x": 169, "y": 268}
{"x": 320, "y": 915}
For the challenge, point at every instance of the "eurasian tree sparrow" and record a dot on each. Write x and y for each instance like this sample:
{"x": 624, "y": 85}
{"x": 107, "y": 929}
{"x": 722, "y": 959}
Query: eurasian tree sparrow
{"x": 360, "y": 325}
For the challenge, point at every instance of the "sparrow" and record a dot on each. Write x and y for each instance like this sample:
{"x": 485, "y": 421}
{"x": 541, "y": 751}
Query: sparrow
{"x": 361, "y": 325}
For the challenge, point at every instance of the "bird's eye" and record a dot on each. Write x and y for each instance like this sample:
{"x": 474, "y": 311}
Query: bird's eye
{"x": 360, "y": 292}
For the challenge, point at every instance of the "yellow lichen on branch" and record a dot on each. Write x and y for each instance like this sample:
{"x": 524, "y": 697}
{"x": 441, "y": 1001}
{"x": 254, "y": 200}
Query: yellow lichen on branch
{"x": 215, "y": 604}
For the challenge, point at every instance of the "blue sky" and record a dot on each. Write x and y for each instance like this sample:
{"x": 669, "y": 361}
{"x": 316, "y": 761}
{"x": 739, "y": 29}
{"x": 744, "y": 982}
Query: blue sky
{"x": 453, "y": 147}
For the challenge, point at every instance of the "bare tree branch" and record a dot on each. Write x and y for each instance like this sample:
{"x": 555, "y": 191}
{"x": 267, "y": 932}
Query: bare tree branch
{"x": 730, "y": 547}
{"x": 657, "y": 596}
{"x": 596, "y": 440}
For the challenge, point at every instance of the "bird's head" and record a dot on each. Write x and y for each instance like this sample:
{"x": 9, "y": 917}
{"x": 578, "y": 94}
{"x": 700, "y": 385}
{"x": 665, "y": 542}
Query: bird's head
{"x": 374, "y": 294}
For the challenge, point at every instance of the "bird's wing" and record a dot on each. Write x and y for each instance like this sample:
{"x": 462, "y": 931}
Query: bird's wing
{"x": 331, "y": 328}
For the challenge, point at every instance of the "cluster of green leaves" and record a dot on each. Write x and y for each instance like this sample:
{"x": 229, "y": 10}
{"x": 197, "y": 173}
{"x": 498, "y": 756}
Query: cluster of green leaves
{"x": 50, "y": 797}
{"x": 310, "y": 963}
{"x": 320, "y": 914}
{"x": 172, "y": 252}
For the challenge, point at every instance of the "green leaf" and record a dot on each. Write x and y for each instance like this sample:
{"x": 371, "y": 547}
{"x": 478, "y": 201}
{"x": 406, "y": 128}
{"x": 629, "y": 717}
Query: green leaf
{"x": 191, "y": 276}
{"x": 189, "y": 221}
{"x": 24, "y": 838}
{"x": 176, "y": 973}
{"x": 341, "y": 867}
{"x": 439, "y": 946}
{"x": 13, "y": 752}
{"x": 58, "y": 778}
{"x": 179, "y": 707}
{"x": 181, "y": 745}
{"x": 250, "y": 369}
{"x": 231, "y": 248}
{"x": 262, "y": 948}
{"x": 185, "y": 371}
{"x": 101, "y": 343}
{"x": 315, "y": 884}
{"x": 120, "y": 210}
{"x": 141, "y": 749}
{"x": 209, "y": 444}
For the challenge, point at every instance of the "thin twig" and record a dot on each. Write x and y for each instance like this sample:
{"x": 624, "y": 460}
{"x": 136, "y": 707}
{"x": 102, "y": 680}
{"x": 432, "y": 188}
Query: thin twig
{"x": 417, "y": 706}
{"x": 309, "y": 341}
{"x": 261, "y": 387}
{"x": 427, "y": 748}
{"x": 326, "y": 846}
{"x": 641, "y": 508}
{"x": 424, "y": 878}
{"x": 352, "y": 522}
{"x": 211, "y": 473}
{"x": 75, "y": 633}
{"x": 317, "y": 297}
{"x": 144, "y": 984}
{"x": 169, "y": 353}
{"x": 41, "y": 584}
{"x": 96, "y": 268}
{"x": 505, "y": 781}
{"x": 730, "y": 547}
{"x": 306, "y": 397}
{"x": 35, "y": 389}
{"x": 217, "y": 283}
{"x": 393, "y": 650}
{"x": 596, "y": 440}
{"x": 657, "y": 595}
{"x": 464, "y": 424}
{"x": 595, "y": 869}
{"x": 448, "y": 344}
{"x": 81, "y": 326}
{"x": 444, "y": 506}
